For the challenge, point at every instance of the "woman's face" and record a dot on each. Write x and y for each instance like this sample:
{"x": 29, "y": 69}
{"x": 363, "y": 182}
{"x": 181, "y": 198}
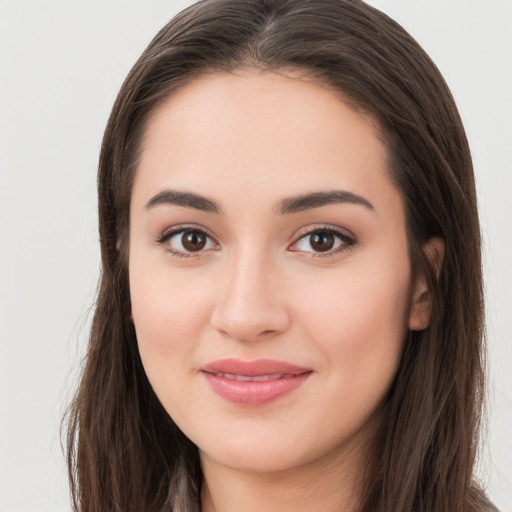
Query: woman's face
{"x": 269, "y": 272}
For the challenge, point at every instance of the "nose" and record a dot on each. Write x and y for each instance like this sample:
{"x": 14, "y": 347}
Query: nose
{"x": 250, "y": 302}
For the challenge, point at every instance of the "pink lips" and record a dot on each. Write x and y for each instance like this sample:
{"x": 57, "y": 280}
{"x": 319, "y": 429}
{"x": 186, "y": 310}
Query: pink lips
{"x": 253, "y": 383}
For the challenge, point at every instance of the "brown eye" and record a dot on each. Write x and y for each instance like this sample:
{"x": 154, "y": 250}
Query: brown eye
{"x": 322, "y": 242}
{"x": 193, "y": 240}
{"x": 186, "y": 241}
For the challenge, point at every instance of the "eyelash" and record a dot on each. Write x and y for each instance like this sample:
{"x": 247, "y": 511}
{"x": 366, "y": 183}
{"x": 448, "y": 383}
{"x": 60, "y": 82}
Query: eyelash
{"x": 347, "y": 240}
{"x": 168, "y": 234}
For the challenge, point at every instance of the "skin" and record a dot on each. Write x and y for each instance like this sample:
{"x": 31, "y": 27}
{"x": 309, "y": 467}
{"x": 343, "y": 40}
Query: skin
{"x": 258, "y": 289}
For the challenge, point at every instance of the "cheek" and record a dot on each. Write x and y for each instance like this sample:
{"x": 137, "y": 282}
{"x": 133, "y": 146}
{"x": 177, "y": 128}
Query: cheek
{"x": 359, "y": 318}
{"x": 168, "y": 313}
{"x": 359, "y": 330}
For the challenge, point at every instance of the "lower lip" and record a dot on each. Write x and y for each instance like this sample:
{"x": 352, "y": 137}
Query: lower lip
{"x": 254, "y": 393}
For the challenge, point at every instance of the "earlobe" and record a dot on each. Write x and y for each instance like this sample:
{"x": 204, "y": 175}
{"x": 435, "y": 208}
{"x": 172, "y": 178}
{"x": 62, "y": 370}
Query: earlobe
{"x": 421, "y": 303}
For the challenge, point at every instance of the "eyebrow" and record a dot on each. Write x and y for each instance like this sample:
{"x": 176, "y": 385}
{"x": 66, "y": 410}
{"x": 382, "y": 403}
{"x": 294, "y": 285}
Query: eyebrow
{"x": 186, "y": 199}
{"x": 318, "y": 199}
{"x": 286, "y": 206}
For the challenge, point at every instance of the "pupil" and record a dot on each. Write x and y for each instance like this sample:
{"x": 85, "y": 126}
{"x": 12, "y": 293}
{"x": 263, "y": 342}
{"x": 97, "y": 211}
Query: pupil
{"x": 193, "y": 240}
{"x": 322, "y": 241}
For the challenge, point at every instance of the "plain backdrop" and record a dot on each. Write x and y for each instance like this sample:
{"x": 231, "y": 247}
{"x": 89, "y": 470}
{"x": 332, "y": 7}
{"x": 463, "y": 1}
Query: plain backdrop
{"x": 61, "y": 65}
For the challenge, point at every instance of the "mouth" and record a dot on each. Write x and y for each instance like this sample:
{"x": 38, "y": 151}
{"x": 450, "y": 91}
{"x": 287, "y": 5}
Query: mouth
{"x": 256, "y": 378}
{"x": 253, "y": 383}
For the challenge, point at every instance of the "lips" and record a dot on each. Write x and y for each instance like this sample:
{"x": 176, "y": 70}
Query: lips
{"x": 253, "y": 383}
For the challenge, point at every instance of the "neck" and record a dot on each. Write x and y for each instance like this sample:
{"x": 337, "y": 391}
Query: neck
{"x": 331, "y": 485}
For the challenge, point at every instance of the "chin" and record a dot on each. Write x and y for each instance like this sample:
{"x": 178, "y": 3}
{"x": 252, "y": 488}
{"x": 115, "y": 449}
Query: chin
{"x": 252, "y": 458}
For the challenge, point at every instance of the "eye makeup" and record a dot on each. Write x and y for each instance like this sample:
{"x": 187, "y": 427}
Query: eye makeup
{"x": 316, "y": 241}
{"x": 325, "y": 241}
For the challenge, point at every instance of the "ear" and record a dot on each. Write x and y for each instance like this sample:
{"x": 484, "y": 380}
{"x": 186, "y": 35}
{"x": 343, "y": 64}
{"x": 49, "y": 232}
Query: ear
{"x": 421, "y": 303}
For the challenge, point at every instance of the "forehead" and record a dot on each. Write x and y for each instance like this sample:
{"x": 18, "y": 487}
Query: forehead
{"x": 261, "y": 133}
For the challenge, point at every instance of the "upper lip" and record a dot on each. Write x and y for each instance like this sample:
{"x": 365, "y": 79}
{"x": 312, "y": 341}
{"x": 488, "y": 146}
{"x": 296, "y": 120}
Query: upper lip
{"x": 258, "y": 367}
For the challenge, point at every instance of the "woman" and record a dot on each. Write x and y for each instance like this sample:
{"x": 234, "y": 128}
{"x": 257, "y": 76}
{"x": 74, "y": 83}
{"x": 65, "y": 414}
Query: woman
{"x": 290, "y": 312}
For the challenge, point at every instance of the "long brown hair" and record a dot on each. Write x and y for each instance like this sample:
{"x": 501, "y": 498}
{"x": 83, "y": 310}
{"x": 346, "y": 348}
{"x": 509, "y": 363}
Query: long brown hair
{"x": 124, "y": 451}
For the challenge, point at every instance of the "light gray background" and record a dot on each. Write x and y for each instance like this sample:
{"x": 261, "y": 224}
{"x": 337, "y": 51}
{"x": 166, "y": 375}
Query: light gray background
{"x": 61, "y": 64}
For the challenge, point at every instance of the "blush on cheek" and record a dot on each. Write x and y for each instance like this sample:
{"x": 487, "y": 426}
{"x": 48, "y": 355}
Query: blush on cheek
{"x": 169, "y": 330}
{"x": 363, "y": 324}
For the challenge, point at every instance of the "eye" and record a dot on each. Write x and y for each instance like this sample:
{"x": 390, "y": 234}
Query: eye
{"x": 323, "y": 240}
{"x": 184, "y": 241}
